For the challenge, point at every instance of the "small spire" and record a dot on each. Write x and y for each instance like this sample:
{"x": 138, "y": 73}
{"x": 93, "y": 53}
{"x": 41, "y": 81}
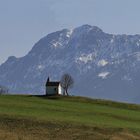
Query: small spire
{"x": 48, "y": 80}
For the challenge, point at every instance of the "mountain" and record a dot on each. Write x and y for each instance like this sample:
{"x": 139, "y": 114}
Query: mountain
{"x": 103, "y": 65}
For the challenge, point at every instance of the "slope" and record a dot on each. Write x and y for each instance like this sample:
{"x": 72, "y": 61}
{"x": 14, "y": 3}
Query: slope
{"x": 28, "y": 118}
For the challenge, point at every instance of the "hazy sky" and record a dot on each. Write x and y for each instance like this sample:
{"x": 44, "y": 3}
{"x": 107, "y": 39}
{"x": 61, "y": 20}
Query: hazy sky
{"x": 24, "y": 22}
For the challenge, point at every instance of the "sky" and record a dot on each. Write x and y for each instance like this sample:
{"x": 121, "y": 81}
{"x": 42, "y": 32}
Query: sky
{"x": 24, "y": 22}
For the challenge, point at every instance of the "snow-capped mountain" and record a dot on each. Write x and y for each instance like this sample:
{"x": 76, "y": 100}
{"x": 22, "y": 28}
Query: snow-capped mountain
{"x": 103, "y": 65}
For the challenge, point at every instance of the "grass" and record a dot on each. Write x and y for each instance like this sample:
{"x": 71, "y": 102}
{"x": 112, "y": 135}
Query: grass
{"x": 41, "y": 118}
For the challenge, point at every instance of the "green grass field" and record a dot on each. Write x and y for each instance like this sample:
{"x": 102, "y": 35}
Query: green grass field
{"x": 67, "y": 118}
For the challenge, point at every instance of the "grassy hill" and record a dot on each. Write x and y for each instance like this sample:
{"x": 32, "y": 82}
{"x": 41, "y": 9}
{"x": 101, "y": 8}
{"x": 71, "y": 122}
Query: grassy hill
{"x": 67, "y": 118}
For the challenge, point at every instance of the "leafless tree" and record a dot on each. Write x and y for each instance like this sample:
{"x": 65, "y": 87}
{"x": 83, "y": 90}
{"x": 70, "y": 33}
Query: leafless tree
{"x": 66, "y": 83}
{"x": 3, "y": 90}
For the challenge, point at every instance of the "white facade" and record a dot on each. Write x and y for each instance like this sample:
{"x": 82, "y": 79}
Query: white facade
{"x": 60, "y": 90}
{"x": 54, "y": 90}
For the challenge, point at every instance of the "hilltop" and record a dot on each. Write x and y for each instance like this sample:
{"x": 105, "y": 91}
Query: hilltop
{"x": 61, "y": 118}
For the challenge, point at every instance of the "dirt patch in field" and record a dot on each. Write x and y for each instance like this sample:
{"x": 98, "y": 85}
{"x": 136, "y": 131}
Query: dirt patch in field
{"x": 125, "y": 136}
{"x": 19, "y": 129}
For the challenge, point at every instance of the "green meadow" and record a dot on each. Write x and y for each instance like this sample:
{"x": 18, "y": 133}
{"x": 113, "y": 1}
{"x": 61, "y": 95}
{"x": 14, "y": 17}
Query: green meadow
{"x": 67, "y": 118}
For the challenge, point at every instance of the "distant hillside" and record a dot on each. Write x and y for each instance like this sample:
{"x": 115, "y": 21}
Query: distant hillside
{"x": 61, "y": 118}
{"x": 103, "y": 65}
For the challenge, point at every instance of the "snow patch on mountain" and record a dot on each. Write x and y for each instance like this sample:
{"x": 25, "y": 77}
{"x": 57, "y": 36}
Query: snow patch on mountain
{"x": 85, "y": 58}
{"x": 103, "y": 75}
{"x": 62, "y": 39}
{"x": 102, "y": 63}
{"x": 69, "y": 33}
{"x": 126, "y": 78}
{"x": 138, "y": 43}
{"x": 56, "y": 44}
{"x": 112, "y": 39}
{"x": 40, "y": 67}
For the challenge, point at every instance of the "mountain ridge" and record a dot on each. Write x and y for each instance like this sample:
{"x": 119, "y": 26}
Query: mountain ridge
{"x": 103, "y": 65}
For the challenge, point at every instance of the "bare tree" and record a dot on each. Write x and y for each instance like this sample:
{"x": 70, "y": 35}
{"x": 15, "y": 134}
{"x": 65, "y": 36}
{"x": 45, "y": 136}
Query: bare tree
{"x": 66, "y": 83}
{"x": 3, "y": 90}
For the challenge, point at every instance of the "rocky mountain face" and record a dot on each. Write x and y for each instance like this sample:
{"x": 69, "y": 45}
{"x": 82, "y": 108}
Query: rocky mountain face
{"x": 103, "y": 65}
